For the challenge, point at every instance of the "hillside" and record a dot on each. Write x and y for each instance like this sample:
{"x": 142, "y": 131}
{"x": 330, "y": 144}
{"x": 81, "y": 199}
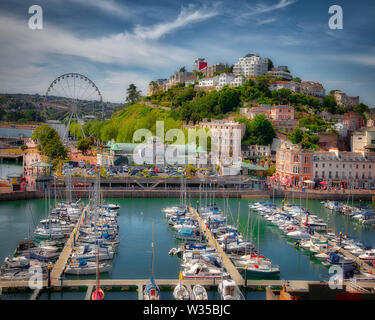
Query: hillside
{"x": 125, "y": 122}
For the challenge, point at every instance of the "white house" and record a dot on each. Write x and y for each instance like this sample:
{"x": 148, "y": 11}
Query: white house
{"x": 291, "y": 85}
{"x": 238, "y": 81}
{"x": 209, "y": 82}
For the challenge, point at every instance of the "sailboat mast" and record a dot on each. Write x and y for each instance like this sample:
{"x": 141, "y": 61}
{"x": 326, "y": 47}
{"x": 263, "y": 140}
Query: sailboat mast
{"x": 152, "y": 254}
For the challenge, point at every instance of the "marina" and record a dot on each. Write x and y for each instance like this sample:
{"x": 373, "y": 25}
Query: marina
{"x": 130, "y": 270}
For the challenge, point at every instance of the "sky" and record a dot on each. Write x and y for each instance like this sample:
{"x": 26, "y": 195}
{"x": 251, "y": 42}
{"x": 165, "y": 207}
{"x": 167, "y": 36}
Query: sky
{"x": 118, "y": 42}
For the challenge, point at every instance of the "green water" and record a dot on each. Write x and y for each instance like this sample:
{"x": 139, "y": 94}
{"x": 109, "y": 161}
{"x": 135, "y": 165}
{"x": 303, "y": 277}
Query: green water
{"x": 133, "y": 259}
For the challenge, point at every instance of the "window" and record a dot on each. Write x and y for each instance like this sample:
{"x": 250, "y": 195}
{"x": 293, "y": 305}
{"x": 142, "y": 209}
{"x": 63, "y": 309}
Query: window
{"x": 323, "y": 165}
{"x": 329, "y": 174}
{"x": 343, "y": 166}
{"x": 316, "y": 165}
{"x": 323, "y": 174}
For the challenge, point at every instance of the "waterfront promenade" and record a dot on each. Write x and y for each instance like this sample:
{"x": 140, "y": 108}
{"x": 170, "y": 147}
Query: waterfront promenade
{"x": 356, "y": 195}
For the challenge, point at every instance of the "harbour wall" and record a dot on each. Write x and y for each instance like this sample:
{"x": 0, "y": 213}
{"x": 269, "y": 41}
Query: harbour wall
{"x": 147, "y": 193}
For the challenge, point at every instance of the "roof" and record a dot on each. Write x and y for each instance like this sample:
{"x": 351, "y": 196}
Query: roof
{"x": 115, "y": 147}
{"x": 41, "y": 165}
{"x": 250, "y": 166}
{"x": 200, "y": 149}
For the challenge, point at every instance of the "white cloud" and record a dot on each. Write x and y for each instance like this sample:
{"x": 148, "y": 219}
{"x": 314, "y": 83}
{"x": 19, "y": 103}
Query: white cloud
{"x": 31, "y": 59}
{"x": 109, "y": 6}
{"x": 266, "y": 21}
{"x": 186, "y": 17}
{"x": 249, "y": 10}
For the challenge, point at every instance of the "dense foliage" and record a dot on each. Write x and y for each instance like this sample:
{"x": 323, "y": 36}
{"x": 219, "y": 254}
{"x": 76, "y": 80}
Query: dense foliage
{"x": 49, "y": 142}
{"x": 305, "y": 138}
{"x": 258, "y": 131}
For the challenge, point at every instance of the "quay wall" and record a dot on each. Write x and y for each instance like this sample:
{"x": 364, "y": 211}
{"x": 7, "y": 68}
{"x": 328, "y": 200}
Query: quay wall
{"x": 161, "y": 193}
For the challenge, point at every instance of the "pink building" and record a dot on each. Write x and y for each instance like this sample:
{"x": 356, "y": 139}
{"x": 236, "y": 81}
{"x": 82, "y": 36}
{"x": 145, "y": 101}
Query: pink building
{"x": 281, "y": 113}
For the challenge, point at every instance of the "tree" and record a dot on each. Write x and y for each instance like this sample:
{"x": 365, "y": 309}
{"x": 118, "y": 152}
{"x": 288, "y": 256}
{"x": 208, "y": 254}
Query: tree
{"x": 132, "y": 93}
{"x": 191, "y": 170}
{"x": 83, "y": 145}
{"x": 182, "y": 69}
{"x": 229, "y": 99}
{"x": 296, "y": 136}
{"x": 329, "y": 103}
{"x": 361, "y": 108}
{"x": 297, "y": 79}
{"x": 258, "y": 131}
{"x": 270, "y": 64}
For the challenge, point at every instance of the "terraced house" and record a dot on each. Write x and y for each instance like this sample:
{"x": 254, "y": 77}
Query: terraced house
{"x": 293, "y": 164}
{"x": 344, "y": 169}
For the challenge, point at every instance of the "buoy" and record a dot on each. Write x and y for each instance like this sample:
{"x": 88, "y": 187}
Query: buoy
{"x": 97, "y": 294}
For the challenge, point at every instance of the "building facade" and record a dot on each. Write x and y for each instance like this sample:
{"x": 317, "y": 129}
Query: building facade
{"x": 226, "y": 136}
{"x": 343, "y": 100}
{"x": 281, "y": 72}
{"x": 281, "y": 113}
{"x": 209, "y": 71}
{"x": 293, "y": 164}
{"x": 363, "y": 140}
{"x": 314, "y": 89}
{"x": 253, "y": 152}
{"x": 344, "y": 169}
{"x": 291, "y": 85}
{"x": 251, "y": 65}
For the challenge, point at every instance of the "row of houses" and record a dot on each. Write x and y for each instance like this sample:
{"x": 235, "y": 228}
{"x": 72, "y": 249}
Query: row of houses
{"x": 295, "y": 165}
{"x": 310, "y": 88}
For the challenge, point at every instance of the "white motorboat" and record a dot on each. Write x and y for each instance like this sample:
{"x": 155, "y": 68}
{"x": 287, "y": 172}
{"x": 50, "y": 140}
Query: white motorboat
{"x": 199, "y": 292}
{"x": 298, "y": 235}
{"x": 86, "y": 267}
{"x": 202, "y": 271}
{"x": 230, "y": 291}
{"x": 369, "y": 255}
{"x": 180, "y": 292}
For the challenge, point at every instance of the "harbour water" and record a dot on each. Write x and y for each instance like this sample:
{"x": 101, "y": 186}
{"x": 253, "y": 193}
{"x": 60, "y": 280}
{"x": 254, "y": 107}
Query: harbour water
{"x": 14, "y": 132}
{"x": 133, "y": 260}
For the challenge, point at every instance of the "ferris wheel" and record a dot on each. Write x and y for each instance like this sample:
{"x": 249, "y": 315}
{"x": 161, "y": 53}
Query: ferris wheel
{"x": 79, "y": 96}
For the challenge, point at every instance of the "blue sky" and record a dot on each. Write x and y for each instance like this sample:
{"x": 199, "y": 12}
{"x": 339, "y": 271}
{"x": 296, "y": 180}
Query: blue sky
{"x": 117, "y": 42}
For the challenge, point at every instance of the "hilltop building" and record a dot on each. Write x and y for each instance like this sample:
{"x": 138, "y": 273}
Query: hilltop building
{"x": 291, "y": 85}
{"x": 251, "y": 65}
{"x": 314, "y": 89}
{"x": 281, "y": 72}
{"x": 343, "y": 100}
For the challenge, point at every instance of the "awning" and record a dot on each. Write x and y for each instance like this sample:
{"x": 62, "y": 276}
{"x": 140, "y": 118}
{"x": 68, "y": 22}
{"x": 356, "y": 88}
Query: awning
{"x": 41, "y": 165}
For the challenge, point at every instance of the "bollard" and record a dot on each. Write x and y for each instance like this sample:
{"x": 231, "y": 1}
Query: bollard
{"x": 245, "y": 276}
{"x": 49, "y": 276}
{"x": 225, "y": 244}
